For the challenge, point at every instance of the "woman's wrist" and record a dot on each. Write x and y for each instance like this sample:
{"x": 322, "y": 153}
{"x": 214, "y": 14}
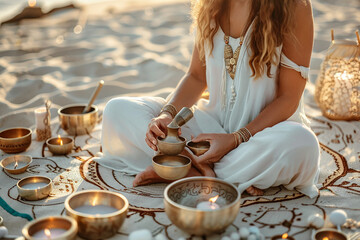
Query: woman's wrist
{"x": 169, "y": 109}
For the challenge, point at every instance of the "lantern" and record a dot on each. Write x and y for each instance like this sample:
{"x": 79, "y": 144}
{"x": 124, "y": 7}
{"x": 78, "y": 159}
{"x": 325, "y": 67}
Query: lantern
{"x": 338, "y": 85}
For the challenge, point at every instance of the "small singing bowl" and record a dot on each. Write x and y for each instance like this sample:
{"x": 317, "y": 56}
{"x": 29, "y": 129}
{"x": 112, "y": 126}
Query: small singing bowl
{"x": 56, "y": 148}
{"x": 34, "y": 188}
{"x": 198, "y": 148}
{"x": 16, "y": 164}
{"x": 97, "y": 225}
{"x": 329, "y": 233}
{"x": 15, "y": 140}
{"x": 52, "y": 227}
{"x": 171, "y": 167}
{"x": 74, "y": 122}
{"x": 182, "y": 196}
{"x": 171, "y": 148}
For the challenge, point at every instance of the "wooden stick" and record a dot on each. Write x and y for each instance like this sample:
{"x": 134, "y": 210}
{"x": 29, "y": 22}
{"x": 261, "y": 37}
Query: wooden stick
{"x": 357, "y": 36}
{"x": 332, "y": 35}
{"x": 92, "y": 99}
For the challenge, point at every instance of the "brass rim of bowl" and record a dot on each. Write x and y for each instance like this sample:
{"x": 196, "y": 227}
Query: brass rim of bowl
{"x": 190, "y": 179}
{"x": 26, "y": 178}
{"x": 27, "y": 163}
{"x": 182, "y": 138}
{"x": 113, "y": 214}
{"x": 62, "y": 138}
{"x": 77, "y": 105}
{"x": 22, "y": 137}
{"x": 185, "y": 165}
{"x": 71, "y": 231}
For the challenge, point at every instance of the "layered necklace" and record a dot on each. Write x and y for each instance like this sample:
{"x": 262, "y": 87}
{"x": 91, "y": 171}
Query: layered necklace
{"x": 231, "y": 57}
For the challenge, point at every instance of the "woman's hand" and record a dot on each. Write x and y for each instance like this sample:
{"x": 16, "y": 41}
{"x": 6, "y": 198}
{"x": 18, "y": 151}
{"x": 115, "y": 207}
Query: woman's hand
{"x": 220, "y": 145}
{"x": 157, "y": 128}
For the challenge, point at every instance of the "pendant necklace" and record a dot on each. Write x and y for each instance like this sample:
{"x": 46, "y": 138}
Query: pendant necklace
{"x": 231, "y": 58}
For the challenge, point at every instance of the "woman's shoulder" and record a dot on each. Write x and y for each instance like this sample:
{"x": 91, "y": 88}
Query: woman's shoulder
{"x": 303, "y": 8}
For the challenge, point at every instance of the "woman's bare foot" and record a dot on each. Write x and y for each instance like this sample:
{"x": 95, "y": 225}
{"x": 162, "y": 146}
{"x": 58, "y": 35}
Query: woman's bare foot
{"x": 253, "y": 191}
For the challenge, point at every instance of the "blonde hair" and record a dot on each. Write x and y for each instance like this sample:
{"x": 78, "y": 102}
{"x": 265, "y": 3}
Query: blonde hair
{"x": 273, "y": 21}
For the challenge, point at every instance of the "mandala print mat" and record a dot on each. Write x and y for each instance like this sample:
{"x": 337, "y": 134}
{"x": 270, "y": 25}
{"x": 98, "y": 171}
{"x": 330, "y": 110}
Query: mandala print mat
{"x": 278, "y": 211}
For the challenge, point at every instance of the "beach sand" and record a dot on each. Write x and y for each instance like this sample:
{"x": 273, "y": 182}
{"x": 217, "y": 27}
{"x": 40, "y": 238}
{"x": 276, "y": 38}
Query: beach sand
{"x": 143, "y": 48}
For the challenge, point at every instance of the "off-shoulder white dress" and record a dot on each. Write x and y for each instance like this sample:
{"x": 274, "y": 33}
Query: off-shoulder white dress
{"x": 286, "y": 154}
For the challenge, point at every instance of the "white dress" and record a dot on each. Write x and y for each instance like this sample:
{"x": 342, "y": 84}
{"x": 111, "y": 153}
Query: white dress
{"x": 286, "y": 154}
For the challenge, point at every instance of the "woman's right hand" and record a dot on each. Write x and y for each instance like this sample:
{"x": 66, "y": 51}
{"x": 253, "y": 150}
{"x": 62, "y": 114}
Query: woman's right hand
{"x": 157, "y": 128}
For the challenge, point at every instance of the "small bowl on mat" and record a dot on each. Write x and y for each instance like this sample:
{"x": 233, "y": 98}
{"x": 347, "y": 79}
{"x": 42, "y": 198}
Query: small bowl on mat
{"x": 74, "y": 122}
{"x": 171, "y": 167}
{"x": 182, "y": 197}
{"x": 16, "y": 164}
{"x": 15, "y": 140}
{"x": 34, "y": 188}
{"x": 198, "y": 148}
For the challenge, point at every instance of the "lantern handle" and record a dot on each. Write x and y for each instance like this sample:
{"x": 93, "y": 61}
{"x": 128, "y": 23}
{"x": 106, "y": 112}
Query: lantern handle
{"x": 357, "y": 36}
{"x": 332, "y": 35}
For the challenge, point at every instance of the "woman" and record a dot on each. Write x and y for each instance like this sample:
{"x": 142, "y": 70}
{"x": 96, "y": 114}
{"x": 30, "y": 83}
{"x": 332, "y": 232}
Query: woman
{"x": 254, "y": 119}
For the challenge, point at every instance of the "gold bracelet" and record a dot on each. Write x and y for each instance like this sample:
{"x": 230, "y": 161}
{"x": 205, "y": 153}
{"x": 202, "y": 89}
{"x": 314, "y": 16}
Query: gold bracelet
{"x": 236, "y": 140}
{"x": 169, "y": 108}
{"x": 248, "y": 131}
{"x": 245, "y": 134}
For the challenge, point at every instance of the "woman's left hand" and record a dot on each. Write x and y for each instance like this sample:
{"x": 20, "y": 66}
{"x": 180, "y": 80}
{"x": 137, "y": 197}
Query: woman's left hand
{"x": 220, "y": 145}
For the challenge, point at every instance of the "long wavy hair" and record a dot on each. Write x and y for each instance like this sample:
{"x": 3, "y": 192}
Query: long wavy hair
{"x": 273, "y": 21}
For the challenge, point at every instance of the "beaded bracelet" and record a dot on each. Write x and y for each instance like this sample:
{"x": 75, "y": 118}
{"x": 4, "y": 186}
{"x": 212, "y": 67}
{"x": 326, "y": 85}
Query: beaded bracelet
{"x": 244, "y": 133}
{"x": 169, "y": 108}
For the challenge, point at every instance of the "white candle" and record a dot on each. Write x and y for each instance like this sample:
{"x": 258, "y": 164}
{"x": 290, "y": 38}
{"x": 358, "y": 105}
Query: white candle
{"x": 207, "y": 206}
{"x": 16, "y": 166}
{"x": 33, "y": 186}
{"x": 40, "y": 115}
{"x": 49, "y": 233}
{"x": 96, "y": 209}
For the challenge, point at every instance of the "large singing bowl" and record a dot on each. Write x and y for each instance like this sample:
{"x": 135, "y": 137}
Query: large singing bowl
{"x": 181, "y": 198}
{"x": 74, "y": 122}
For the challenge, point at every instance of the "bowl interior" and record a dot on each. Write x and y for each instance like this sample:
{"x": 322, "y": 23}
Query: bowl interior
{"x": 56, "y": 141}
{"x": 10, "y": 161}
{"x": 200, "y": 145}
{"x": 15, "y": 133}
{"x": 171, "y": 161}
{"x": 49, "y": 223}
{"x": 190, "y": 191}
{"x": 75, "y": 110}
{"x": 97, "y": 198}
{"x": 34, "y": 179}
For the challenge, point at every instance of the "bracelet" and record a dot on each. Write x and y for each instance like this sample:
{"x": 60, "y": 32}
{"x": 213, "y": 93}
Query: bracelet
{"x": 169, "y": 108}
{"x": 245, "y": 134}
{"x": 236, "y": 140}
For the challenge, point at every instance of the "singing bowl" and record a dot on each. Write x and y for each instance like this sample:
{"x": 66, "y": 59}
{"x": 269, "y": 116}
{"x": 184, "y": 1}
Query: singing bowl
{"x": 74, "y": 122}
{"x": 329, "y": 233}
{"x": 171, "y": 167}
{"x": 198, "y": 148}
{"x": 55, "y": 148}
{"x": 97, "y": 226}
{"x": 182, "y": 196}
{"x": 23, "y": 160}
{"x": 59, "y": 222}
{"x": 15, "y": 140}
{"x": 171, "y": 148}
{"x": 34, "y": 194}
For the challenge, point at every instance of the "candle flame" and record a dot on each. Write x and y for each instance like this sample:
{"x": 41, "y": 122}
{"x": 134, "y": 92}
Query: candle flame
{"x": 47, "y": 233}
{"x": 16, "y": 164}
{"x": 94, "y": 201}
{"x": 325, "y": 238}
{"x": 60, "y": 140}
{"x": 32, "y": 3}
{"x": 284, "y": 236}
{"x": 213, "y": 199}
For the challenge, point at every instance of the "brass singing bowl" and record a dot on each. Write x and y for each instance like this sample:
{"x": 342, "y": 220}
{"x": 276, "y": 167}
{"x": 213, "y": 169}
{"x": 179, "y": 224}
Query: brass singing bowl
{"x": 329, "y": 233}
{"x": 198, "y": 148}
{"x": 34, "y": 194}
{"x": 171, "y": 148}
{"x": 97, "y": 226}
{"x": 171, "y": 167}
{"x": 15, "y": 140}
{"x": 9, "y": 162}
{"x": 74, "y": 122}
{"x": 182, "y": 196}
{"x": 55, "y": 148}
{"x": 59, "y": 222}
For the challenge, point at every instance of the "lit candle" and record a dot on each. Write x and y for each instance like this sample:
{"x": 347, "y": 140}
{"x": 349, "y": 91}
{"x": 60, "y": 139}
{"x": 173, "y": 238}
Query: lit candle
{"x": 59, "y": 145}
{"x": 32, "y": 3}
{"x": 49, "y": 233}
{"x": 284, "y": 236}
{"x": 329, "y": 234}
{"x": 95, "y": 209}
{"x": 60, "y": 141}
{"x": 17, "y": 165}
{"x": 208, "y": 205}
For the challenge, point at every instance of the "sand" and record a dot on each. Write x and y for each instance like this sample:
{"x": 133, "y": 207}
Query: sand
{"x": 142, "y": 48}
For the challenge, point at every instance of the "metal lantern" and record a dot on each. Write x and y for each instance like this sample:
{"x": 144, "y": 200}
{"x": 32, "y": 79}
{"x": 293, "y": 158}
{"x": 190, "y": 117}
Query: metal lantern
{"x": 338, "y": 85}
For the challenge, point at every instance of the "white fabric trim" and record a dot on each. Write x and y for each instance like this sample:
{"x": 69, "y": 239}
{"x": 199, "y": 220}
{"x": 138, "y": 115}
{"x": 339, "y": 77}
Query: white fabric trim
{"x": 286, "y": 62}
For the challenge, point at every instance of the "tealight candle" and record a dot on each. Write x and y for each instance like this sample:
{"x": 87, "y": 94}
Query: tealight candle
{"x": 208, "y": 205}
{"x": 59, "y": 145}
{"x": 329, "y": 234}
{"x": 16, "y": 164}
{"x": 282, "y": 237}
{"x": 49, "y": 233}
{"x": 34, "y": 187}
